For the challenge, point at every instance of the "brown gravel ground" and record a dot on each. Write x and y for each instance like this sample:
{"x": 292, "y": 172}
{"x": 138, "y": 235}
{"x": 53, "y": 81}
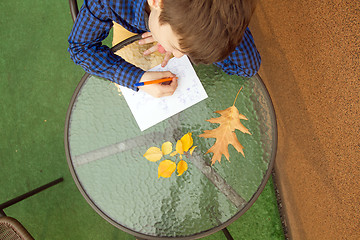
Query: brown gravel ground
{"x": 310, "y": 65}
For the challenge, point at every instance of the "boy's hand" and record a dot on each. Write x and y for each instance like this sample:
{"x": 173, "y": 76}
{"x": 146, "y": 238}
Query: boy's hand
{"x": 148, "y": 38}
{"x": 159, "y": 90}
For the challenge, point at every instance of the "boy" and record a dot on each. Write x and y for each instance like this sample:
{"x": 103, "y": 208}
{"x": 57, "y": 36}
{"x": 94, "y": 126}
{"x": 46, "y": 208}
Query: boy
{"x": 207, "y": 31}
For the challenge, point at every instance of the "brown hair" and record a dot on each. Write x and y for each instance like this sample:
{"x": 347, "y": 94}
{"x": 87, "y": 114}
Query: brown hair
{"x": 209, "y": 30}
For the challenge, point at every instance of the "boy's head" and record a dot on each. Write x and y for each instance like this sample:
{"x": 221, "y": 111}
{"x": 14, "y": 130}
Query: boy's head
{"x": 205, "y": 30}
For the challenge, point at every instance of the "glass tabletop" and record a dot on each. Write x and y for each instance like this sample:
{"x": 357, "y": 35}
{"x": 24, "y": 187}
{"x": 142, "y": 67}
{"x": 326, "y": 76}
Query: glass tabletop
{"x": 105, "y": 149}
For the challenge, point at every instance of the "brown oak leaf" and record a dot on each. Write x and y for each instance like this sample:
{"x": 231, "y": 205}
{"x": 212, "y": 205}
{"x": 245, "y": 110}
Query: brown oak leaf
{"x": 225, "y": 133}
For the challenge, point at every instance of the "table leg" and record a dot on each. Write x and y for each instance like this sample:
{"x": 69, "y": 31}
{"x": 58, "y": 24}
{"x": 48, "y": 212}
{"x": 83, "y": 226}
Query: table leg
{"x": 29, "y": 194}
{"x": 2, "y": 214}
{"x": 227, "y": 234}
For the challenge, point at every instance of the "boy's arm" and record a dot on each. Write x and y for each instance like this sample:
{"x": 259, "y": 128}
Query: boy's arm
{"x": 245, "y": 60}
{"x": 90, "y": 29}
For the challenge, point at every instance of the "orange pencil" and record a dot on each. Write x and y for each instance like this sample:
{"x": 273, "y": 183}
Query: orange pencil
{"x": 169, "y": 79}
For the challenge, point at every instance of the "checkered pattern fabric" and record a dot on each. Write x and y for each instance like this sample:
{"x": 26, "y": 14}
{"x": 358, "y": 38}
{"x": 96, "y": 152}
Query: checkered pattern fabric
{"x": 93, "y": 25}
{"x": 245, "y": 60}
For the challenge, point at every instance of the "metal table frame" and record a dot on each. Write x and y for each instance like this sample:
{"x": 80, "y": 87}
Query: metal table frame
{"x": 147, "y": 237}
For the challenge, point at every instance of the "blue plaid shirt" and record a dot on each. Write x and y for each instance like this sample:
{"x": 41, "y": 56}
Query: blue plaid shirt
{"x": 93, "y": 25}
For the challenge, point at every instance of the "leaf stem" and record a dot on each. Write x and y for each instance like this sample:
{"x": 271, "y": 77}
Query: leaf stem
{"x": 237, "y": 96}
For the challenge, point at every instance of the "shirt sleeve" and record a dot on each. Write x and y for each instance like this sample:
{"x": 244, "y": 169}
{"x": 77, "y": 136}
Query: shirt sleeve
{"x": 91, "y": 27}
{"x": 245, "y": 60}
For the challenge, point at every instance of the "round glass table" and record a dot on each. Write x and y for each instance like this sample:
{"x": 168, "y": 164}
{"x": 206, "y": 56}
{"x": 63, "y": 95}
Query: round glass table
{"x": 105, "y": 149}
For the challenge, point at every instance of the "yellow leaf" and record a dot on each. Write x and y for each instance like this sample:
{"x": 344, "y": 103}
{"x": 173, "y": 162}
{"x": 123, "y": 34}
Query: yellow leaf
{"x": 166, "y": 148}
{"x": 166, "y": 168}
{"x": 153, "y": 154}
{"x": 173, "y": 153}
{"x": 179, "y": 147}
{"x": 192, "y": 150}
{"x": 187, "y": 141}
{"x": 182, "y": 167}
{"x": 231, "y": 117}
{"x": 225, "y": 133}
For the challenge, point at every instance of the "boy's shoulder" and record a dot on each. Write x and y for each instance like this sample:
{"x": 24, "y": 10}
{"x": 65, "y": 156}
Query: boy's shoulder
{"x": 120, "y": 5}
{"x": 119, "y": 8}
{"x": 116, "y": 10}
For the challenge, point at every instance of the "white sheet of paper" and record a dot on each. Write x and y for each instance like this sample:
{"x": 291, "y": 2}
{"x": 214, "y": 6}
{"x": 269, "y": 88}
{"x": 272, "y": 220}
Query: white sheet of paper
{"x": 149, "y": 111}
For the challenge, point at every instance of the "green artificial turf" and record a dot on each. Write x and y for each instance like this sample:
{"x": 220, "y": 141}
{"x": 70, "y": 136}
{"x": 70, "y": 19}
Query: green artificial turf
{"x": 37, "y": 80}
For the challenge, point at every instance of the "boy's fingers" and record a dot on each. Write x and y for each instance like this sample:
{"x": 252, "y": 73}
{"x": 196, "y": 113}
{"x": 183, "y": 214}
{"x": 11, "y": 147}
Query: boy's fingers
{"x": 147, "y": 34}
{"x": 151, "y": 50}
{"x": 166, "y": 59}
{"x": 159, "y": 90}
{"x": 166, "y": 74}
{"x": 169, "y": 89}
{"x": 147, "y": 40}
{"x": 174, "y": 84}
{"x": 156, "y": 75}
